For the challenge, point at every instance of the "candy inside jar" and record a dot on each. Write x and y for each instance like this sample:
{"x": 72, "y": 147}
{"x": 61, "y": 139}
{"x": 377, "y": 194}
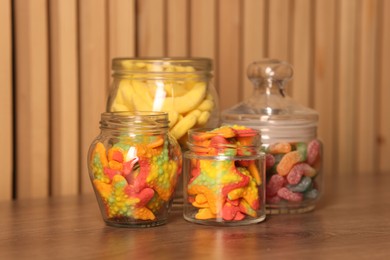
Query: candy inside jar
{"x": 134, "y": 166}
{"x": 181, "y": 87}
{"x": 289, "y": 138}
{"x": 223, "y": 177}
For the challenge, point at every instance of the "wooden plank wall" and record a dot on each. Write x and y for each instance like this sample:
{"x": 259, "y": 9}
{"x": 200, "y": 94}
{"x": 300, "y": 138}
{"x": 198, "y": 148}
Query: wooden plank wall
{"x": 55, "y": 73}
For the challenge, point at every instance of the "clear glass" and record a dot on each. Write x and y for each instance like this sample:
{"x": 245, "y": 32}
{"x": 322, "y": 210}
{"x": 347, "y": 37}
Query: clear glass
{"x": 223, "y": 177}
{"x": 179, "y": 86}
{"x": 134, "y": 166}
{"x": 289, "y": 136}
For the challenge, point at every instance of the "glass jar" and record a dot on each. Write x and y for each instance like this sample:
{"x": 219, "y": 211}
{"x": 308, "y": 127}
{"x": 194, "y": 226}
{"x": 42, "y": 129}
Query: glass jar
{"x": 223, "y": 177}
{"x": 134, "y": 165}
{"x": 289, "y": 137}
{"x": 179, "y": 86}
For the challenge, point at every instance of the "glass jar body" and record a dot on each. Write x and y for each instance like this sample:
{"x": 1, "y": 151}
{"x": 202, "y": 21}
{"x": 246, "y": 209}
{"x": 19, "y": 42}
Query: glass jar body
{"x": 223, "y": 181}
{"x": 180, "y": 87}
{"x": 134, "y": 165}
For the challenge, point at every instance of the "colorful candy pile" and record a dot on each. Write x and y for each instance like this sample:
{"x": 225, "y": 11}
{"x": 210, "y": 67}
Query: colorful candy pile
{"x": 136, "y": 177}
{"x": 291, "y": 171}
{"x": 224, "y": 185}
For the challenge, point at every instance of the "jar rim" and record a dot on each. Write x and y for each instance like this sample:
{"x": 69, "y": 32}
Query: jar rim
{"x": 134, "y": 64}
{"x": 135, "y": 120}
{"x": 198, "y": 136}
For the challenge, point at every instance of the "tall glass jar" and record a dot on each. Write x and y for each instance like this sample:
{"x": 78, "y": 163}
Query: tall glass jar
{"x": 289, "y": 137}
{"x": 134, "y": 165}
{"x": 223, "y": 177}
{"x": 179, "y": 86}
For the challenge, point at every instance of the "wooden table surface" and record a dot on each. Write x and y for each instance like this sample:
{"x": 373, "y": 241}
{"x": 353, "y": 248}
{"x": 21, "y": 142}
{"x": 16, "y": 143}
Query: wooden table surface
{"x": 351, "y": 222}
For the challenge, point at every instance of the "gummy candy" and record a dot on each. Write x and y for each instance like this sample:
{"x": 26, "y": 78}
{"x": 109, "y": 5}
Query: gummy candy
{"x": 286, "y": 194}
{"x": 292, "y": 169}
{"x": 224, "y": 188}
{"x": 136, "y": 176}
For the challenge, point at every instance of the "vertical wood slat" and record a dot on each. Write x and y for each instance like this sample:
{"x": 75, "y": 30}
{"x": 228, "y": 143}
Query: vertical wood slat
{"x": 254, "y": 46}
{"x": 32, "y": 117}
{"x": 279, "y": 19}
{"x": 347, "y": 90}
{"x": 6, "y": 113}
{"x": 203, "y": 32}
{"x": 64, "y": 98}
{"x": 151, "y": 28}
{"x": 302, "y": 52}
{"x": 384, "y": 91}
{"x": 203, "y": 28}
{"x": 229, "y": 69}
{"x": 177, "y": 28}
{"x": 93, "y": 66}
{"x": 278, "y": 29}
{"x": 121, "y": 37}
{"x": 367, "y": 88}
{"x": 324, "y": 78}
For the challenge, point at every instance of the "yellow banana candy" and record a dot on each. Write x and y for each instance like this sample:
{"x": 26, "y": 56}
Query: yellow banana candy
{"x": 206, "y": 105}
{"x": 183, "y": 126}
{"x": 124, "y": 97}
{"x": 141, "y": 98}
{"x": 173, "y": 117}
{"x": 203, "y": 118}
{"x": 187, "y": 102}
{"x": 195, "y": 112}
{"x": 119, "y": 107}
{"x": 175, "y": 89}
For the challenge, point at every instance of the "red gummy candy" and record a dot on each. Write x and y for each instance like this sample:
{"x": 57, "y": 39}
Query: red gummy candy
{"x": 297, "y": 171}
{"x": 219, "y": 143}
{"x": 111, "y": 172}
{"x": 286, "y": 194}
{"x": 229, "y": 211}
{"x": 117, "y": 156}
{"x": 273, "y": 200}
{"x": 275, "y": 183}
{"x": 239, "y": 216}
{"x": 313, "y": 151}
{"x": 140, "y": 180}
{"x": 295, "y": 174}
{"x": 128, "y": 170}
{"x": 245, "y": 132}
{"x": 144, "y": 195}
{"x": 217, "y": 140}
{"x": 269, "y": 161}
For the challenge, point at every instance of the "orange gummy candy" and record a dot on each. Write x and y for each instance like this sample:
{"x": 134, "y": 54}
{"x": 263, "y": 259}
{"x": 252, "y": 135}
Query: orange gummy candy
{"x": 288, "y": 161}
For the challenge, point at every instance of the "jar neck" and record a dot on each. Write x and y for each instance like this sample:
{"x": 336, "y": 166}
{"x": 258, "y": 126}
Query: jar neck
{"x": 291, "y": 133}
{"x": 270, "y": 87}
{"x": 134, "y": 122}
{"x": 162, "y": 68}
{"x": 209, "y": 143}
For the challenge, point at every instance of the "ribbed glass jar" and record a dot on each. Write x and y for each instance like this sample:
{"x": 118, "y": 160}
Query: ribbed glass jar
{"x": 223, "y": 177}
{"x": 289, "y": 135}
{"x": 134, "y": 166}
{"x": 182, "y": 87}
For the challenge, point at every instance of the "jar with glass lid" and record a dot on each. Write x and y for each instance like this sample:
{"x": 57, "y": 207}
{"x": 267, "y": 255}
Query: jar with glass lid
{"x": 294, "y": 154}
{"x": 182, "y": 87}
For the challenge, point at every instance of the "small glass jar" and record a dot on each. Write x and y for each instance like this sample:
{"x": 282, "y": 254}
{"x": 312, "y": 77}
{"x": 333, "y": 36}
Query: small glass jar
{"x": 134, "y": 165}
{"x": 289, "y": 136}
{"x": 223, "y": 177}
{"x": 179, "y": 86}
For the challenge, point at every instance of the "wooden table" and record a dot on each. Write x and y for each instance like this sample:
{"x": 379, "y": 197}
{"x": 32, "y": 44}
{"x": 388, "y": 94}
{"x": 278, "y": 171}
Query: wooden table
{"x": 351, "y": 222}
